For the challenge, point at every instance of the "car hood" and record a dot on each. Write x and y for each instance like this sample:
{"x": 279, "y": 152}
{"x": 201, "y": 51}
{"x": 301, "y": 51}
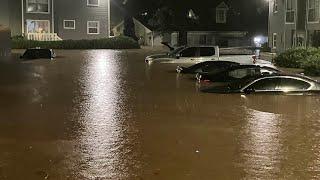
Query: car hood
{"x": 156, "y": 56}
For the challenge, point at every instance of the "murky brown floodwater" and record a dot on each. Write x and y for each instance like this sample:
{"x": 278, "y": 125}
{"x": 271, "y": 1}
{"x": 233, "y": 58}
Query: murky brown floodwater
{"x": 104, "y": 114}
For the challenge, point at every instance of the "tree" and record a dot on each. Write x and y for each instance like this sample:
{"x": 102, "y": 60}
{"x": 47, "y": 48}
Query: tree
{"x": 162, "y": 20}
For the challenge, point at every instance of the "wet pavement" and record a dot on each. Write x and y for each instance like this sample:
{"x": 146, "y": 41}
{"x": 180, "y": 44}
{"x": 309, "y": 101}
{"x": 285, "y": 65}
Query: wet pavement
{"x": 105, "y": 114}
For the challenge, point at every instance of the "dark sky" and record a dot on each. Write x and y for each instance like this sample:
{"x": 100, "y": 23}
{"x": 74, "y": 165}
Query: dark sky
{"x": 256, "y": 10}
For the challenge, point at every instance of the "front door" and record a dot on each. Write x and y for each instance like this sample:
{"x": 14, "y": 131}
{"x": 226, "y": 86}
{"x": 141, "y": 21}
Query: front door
{"x": 38, "y": 26}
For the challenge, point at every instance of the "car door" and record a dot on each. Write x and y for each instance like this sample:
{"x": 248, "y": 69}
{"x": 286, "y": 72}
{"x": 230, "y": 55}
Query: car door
{"x": 189, "y": 55}
{"x": 206, "y": 54}
{"x": 263, "y": 86}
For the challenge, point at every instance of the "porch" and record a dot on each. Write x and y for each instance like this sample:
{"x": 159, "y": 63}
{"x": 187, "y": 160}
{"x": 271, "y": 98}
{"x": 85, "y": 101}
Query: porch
{"x": 43, "y": 37}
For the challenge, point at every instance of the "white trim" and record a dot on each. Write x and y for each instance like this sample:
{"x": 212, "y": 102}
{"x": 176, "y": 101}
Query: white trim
{"x": 38, "y": 20}
{"x": 308, "y": 8}
{"x": 292, "y": 10}
{"x": 22, "y": 17}
{"x": 218, "y": 20}
{"x": 109, "y": 19}
{"x": 64, "y": 24}
{"x": 98, "y": 28}
{"x": 49, "y": 6}
{"x": 93, "y": 5}
{"x": 274, "y": 42}
{"x": 52, "y": 16}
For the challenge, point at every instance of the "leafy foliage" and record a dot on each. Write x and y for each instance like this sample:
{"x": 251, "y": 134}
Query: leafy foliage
{"x": 120, "y": 42}
{"x": 308, "y": 59}
{"x": 162, "y": 20}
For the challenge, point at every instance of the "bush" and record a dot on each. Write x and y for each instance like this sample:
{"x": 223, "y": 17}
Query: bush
{"x": 120, "y": 42}
{"x": 312, "y": 65}
{"x": 293, "y": 58}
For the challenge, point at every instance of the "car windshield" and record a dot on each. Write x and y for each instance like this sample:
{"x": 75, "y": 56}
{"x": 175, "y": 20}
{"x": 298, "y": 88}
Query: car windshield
{"x": 174, "y": 52}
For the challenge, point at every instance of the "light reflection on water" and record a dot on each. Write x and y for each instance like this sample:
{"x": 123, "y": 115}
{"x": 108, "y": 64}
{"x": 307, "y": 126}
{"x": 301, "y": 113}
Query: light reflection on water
{"x": 261, "y": 144}
{"x": 101, "y": 115}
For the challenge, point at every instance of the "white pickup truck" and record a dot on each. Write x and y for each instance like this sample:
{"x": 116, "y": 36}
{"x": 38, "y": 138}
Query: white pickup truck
{"x": 197, "y": 54}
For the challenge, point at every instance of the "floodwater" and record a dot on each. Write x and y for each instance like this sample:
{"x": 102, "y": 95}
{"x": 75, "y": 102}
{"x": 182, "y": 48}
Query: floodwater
{"x": 105, "y": 114}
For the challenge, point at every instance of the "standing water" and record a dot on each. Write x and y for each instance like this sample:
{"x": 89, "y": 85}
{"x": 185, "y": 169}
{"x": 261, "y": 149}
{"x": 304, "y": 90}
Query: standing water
{"x": 105, "y": 114}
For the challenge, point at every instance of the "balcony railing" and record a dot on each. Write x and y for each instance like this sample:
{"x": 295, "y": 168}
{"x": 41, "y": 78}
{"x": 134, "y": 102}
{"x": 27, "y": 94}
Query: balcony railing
{"x": 43, "y": 37}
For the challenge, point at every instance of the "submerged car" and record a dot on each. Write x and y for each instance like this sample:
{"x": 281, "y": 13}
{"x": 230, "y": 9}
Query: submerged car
{"x": 38, "y": 53}
{"x": 194, "y": 54}
{"x": 282, "y": 84}
{"x": 237, "y": 73}
{"x": 206, "y": 67}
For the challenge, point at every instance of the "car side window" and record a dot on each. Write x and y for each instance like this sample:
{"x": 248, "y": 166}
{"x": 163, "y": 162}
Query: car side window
{"x": 189, "y": 52}
{"x": 241, "y": 73}
{"x": 264, "y": 84}
{"x": 207, "y": 51}
{"x": 288, "y": 84}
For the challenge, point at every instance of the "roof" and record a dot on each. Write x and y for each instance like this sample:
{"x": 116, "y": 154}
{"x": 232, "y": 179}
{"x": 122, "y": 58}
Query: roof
{"x": 135, "y": 21}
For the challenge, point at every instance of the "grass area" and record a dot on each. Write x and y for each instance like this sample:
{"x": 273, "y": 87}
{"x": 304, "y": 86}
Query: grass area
{"x": 120, "y": 42}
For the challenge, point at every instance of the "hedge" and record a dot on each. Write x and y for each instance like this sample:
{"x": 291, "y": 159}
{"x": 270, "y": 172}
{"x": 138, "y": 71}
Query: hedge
{"x": 305, "y": 58}
{"x": 120, "y": 42}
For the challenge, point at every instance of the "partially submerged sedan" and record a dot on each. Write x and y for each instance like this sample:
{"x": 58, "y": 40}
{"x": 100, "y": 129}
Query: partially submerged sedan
{"x": 206, "y": 67}
{"x": 237, "y": 73}
{"x": 275, "y": 84}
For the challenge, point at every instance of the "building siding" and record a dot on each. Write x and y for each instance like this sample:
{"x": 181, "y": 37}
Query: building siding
{"x": 81, "y": 13}
{"x": 63, "y": 10}
{"x": 4, "y": 29}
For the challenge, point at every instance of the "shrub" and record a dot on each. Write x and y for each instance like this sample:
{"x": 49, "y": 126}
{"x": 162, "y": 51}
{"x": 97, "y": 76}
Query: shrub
{"x": 311, "y": 65}
{"x": 293, "y": 58}
{"x": 120, "y": 42}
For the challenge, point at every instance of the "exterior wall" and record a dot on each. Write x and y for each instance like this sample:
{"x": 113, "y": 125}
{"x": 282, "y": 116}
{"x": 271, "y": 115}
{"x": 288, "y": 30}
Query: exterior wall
{"x": 38, "y": 16}
{"x": 81, "y": 13}
{"x": 291, "y": 35}
{"x": 15, "y": 17}
{"x": 222, "y": 39}
{"x": 4, "y": 29}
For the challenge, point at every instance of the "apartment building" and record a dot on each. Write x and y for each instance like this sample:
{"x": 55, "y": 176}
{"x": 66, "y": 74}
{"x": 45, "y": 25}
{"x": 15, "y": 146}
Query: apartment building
{"x": 292, "y": 23}
{"x": 48, "y": 20}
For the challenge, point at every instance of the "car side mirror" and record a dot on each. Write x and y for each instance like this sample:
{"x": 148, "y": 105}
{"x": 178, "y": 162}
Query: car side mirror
{"x": 249, "y": 90}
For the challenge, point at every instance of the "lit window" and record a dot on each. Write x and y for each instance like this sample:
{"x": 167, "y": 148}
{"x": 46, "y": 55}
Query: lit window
{"x": 93, "y": 2}
{"x": 275, "y": 6}
{"x": 274, "y": 40}
{"x": 37, "y": 6}
{"x": 221, "y": 15}
{"x": 69, "y": 24}
{"x": 93, "y": 27}
{"x": 290, "y": 11}
{"x": 313, "y": 10}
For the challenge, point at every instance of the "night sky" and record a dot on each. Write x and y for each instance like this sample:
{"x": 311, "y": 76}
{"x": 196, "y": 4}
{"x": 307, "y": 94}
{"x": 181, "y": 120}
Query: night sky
{"x": 255, "y": 11}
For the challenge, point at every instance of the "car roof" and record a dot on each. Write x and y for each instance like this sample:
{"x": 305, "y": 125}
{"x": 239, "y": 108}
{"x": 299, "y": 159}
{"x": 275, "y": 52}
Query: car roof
{"x": 288, "y": 75}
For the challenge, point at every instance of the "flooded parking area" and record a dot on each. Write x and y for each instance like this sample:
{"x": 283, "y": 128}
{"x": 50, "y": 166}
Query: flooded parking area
{"x": 105, "y": 114}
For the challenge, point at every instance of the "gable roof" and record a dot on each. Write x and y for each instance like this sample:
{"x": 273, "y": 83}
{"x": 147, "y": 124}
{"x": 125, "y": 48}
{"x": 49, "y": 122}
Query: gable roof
{"x": 135, "y": 22}
{"x": 222, "y": 5}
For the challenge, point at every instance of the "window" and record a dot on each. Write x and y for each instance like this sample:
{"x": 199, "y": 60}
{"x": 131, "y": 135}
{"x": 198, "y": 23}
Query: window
{"x": 287, "y": 84}
{"x": 290, "y": 11}
{"x": 203, "y": 39}
{"x": 92, "y": 2}
{"x": 207, "y": 51}
{"x": 93, "y": 27}
{"x": 265, "y": 85}
{"x": 38, "y": 26}
{"x": 221, "y": 16}
{"x": 313, "y": 10}
{"x": 246, "y": 72}
{"x": 190, "y": 52}
{"x": 69, "y": 24}
{"x": 37, "y": 6}
{"x": 274, "y": 40}
{"x": 275, "y": 6}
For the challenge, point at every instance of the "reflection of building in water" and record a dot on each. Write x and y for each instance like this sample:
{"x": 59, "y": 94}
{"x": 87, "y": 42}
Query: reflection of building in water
{"x": 4, "y": 29}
